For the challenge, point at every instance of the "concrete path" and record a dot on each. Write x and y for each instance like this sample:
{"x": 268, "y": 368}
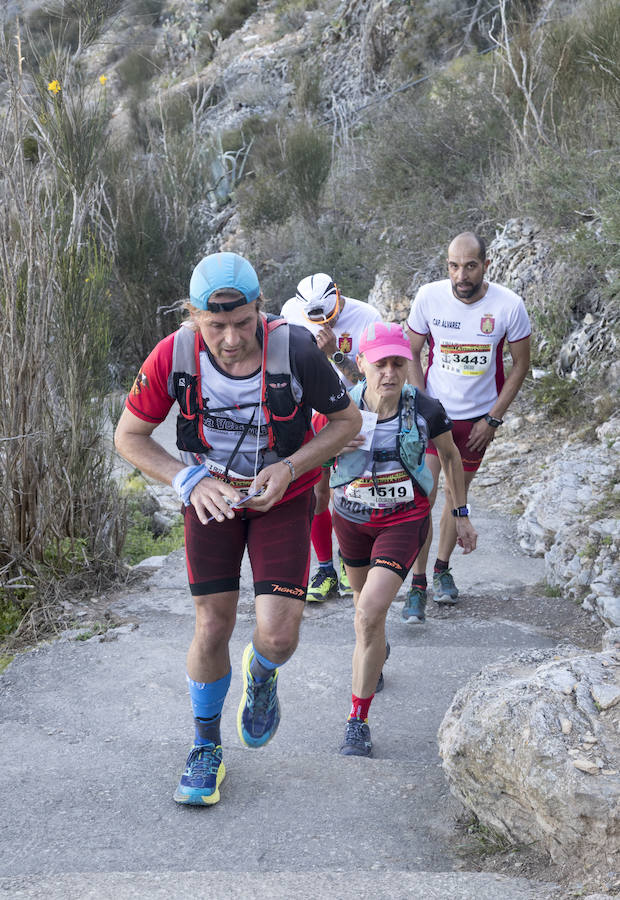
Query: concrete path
{"x": 94, "y": 734}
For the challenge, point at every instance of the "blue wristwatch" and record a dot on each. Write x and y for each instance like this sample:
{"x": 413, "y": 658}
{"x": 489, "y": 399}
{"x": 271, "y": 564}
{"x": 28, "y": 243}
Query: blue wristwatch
{"x": 460, "y": 512}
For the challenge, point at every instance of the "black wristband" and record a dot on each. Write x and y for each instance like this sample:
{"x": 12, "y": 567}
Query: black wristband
{"x": 492, "y": 421}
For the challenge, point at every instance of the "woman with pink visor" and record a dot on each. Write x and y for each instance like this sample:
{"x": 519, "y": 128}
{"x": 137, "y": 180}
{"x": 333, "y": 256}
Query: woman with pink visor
{"x": 381, "y": 508}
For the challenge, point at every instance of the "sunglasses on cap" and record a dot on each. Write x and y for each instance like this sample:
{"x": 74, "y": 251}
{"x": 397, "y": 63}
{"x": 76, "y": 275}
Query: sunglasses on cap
{"x": 213, "y": 306}
{"x": 324, "y": 320}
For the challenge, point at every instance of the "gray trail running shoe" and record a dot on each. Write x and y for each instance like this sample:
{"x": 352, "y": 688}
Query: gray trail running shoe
{"x": 414, "y": 610}
{"x": 444, "y": 588}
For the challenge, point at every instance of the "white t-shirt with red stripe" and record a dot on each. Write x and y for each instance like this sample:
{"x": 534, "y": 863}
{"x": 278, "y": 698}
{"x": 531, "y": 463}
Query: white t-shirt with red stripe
{"x": 466, "y": 343}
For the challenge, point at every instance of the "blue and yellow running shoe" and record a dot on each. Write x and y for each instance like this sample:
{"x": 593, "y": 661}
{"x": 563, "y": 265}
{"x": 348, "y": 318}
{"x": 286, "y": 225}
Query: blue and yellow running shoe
{"x": 204, "y": 772}
{"x": 258, "y": 716}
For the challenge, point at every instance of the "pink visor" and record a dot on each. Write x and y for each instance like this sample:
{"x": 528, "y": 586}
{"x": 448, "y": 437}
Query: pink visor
{"x": 381, "y": 339}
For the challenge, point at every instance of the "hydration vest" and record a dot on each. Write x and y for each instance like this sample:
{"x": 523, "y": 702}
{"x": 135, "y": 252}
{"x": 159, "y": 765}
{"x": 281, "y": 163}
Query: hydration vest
{"x": 409, "y": 449}
{"x": 287, "y": 421}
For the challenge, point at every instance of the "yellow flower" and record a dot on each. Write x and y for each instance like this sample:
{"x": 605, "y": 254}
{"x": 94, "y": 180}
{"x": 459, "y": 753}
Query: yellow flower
{"x": 102, "y": 79}
{"x": 54, "y": 87}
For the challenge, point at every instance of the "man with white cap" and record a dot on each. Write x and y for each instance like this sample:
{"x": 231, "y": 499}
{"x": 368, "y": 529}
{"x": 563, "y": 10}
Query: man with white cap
{"x": 336, "y": 322}
{"x": 246, "y": 385}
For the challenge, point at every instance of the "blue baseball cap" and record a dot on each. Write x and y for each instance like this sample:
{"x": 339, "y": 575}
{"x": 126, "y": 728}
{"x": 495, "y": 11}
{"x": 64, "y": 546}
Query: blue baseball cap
{"x": 218, "y": 272}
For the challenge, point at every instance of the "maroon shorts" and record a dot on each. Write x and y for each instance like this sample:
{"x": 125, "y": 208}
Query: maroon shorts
{"x": 393, "y": 547}
{"x": 278, "y": 543}
{"x": 461, "y": 429}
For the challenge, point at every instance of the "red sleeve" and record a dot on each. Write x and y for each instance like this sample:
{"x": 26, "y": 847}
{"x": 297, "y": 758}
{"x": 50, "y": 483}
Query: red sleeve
{"x": 149, "y": 398}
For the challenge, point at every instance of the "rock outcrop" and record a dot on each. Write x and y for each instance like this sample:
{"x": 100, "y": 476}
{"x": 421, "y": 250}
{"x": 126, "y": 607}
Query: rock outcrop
{"x": 571, "y": 520}
{"x": 532, "y": 746}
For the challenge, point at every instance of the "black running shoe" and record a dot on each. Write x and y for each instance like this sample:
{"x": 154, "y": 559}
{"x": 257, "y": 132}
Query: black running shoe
{"x": 356, "y": 739}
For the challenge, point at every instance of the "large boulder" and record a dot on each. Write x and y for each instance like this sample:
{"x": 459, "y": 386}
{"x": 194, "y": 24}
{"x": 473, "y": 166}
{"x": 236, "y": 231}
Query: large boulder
{"x": 531, "y": 745}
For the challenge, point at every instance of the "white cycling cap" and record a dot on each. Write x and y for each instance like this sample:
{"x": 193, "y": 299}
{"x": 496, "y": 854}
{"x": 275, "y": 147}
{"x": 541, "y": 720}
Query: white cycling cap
{"x": 317, "y": 295}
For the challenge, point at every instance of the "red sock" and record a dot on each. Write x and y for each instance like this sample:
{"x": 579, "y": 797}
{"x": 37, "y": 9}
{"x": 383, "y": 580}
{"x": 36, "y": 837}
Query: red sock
{"x": 360, "y": 707}
{"x": 321, "y": 535}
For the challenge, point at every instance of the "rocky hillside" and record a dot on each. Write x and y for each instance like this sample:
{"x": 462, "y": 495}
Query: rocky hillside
{"x": 354, "y": 137}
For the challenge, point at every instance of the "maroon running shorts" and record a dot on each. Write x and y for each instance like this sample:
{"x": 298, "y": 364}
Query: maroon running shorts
{"x": 461, "y": 429}
{"x": 278, "y": 543}
{"x": 393, "y": 547}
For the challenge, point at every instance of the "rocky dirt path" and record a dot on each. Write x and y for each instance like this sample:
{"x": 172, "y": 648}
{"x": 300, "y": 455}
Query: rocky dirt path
{"x": 95, "y": 733}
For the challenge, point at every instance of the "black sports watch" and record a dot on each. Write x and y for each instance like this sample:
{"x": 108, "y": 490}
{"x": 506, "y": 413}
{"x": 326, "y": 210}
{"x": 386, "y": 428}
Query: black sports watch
{"x": 493, "y": 422}
{"x": 460, "y": 512}
{"x": 338, "y": 357}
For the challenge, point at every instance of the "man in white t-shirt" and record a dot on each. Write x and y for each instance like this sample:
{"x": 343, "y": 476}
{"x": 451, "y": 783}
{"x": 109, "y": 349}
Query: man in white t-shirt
{"x": 336, "y": 322}
{"x": 466, "y": 322}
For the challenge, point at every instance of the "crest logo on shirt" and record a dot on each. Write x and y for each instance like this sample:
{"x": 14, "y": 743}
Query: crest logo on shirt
{"x": 487, "y": 324}
{"x": 141, "y": 383}
{"x": 345, "y": 343}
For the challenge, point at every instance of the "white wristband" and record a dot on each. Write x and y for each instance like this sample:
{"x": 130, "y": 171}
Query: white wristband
{"x": 186, "y": 480}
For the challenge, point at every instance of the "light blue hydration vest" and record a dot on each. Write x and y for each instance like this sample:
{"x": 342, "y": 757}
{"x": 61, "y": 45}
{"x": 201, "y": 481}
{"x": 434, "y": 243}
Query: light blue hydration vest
{"x": 410, "y": 446}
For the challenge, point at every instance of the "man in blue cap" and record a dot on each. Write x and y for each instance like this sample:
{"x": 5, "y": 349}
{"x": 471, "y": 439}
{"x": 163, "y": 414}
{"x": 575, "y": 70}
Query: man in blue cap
{"x": 246, "y": 385}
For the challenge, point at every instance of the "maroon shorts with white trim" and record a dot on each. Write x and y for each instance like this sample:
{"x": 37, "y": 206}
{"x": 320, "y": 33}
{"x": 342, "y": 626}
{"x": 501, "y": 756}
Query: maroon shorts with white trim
{"x": 278, "y": 543}
{"x": 394, "y": 547}
{"x": 461, "y": 429}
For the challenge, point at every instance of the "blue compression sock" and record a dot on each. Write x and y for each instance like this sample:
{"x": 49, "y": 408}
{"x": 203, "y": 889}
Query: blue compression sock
{"x": 262, "y": 668}
{"x": 207, "y": 702}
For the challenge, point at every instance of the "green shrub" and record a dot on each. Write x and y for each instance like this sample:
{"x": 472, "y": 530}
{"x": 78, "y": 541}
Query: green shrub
{"x": 233, "y": 15}
{"x": 136, "y": 71}
{"x": 141, "y": 542}
{"x": 72, "y": 24}
{"x": 299, "y": 248}
{"x": 561, "y": 397}
{"x": 307, "y": 158}
{"x": 264, "y": 201}
{"x": 291, "y": 18}
{"x": 49, "y": 28}
{"x": 12, "y": 611}
{"x": 291, "y": 14}
{"x": 418, "y": 176}
{"x": 307, "y": 81}
{"x": 557, "y": 190}
{"x": 148, "y": 11}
